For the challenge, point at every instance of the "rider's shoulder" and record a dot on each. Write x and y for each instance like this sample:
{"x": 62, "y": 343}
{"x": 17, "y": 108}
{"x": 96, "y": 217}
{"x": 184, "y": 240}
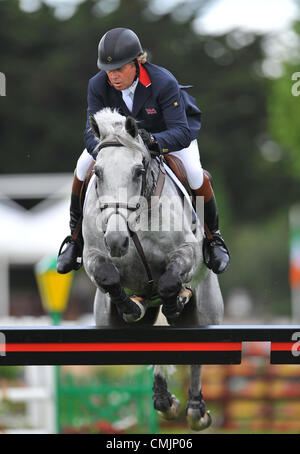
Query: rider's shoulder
{"x": 99, "y": 78}
{"x": 160, "y": 74}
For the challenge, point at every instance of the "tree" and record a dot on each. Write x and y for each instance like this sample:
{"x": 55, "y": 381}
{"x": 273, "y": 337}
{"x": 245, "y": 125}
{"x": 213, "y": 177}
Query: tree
{"x": 284, "y": 113}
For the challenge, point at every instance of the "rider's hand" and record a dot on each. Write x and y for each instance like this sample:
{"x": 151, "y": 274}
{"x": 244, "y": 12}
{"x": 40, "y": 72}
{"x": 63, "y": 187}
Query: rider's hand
{"x": 150, "y": 141}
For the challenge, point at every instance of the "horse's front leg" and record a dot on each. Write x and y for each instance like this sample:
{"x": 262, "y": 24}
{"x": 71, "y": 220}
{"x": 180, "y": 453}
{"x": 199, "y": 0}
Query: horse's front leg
{"x": 179, "y": 270}
{"x": 107, "y": 277}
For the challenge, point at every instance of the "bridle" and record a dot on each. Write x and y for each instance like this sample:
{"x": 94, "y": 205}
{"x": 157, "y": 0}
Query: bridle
{"x": 133, "y": 207}
{"x": 117, "y": 205}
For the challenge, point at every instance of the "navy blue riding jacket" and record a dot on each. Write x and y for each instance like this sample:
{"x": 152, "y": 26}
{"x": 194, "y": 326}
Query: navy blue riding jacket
{"x": 160, "y": 105}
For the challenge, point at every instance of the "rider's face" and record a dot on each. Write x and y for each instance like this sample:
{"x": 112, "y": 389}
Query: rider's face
{"x": 122, "y": 78}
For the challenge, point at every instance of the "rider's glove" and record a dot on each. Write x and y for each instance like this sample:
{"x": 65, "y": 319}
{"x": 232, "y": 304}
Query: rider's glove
{"x": 150, "y": 141}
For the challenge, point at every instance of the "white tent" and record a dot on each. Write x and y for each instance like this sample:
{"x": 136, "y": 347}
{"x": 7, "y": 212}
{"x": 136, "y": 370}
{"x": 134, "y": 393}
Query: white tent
{"x": 26, "y": 236}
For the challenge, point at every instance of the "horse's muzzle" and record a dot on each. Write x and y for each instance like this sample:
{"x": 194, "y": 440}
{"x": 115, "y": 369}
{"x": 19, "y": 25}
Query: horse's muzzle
{"x": 117, "y": 243}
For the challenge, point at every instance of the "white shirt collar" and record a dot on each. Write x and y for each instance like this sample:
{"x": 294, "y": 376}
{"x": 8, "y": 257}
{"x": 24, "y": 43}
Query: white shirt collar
{"x": 130, "y": 90}
{"x": 128, "y": 94}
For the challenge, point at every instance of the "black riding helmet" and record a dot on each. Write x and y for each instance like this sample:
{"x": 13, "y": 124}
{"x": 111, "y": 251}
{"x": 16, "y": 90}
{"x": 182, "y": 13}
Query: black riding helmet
{"x": 118, "y": 47}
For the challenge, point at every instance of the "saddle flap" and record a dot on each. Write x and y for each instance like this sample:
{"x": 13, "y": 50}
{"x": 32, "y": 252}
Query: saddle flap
{"x": 178, "y": 168}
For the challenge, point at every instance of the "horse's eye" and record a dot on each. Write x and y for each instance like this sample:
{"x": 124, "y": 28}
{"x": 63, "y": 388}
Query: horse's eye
{"x": 98, "y": 172}
{"x": 138, "y": 172}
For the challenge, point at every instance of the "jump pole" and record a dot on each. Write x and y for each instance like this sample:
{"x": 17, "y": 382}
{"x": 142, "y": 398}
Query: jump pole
{"x": 214, "y": 344}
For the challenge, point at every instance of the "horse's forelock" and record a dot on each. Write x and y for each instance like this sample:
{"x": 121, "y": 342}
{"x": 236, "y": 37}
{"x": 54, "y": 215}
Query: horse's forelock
{"x": 111, "y": 125}
{"x": 109, "y": 122}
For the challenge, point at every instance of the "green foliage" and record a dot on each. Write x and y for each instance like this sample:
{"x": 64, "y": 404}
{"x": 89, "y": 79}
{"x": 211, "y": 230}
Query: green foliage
{"x": 10, "y": 372}
{"x": 260, "y": 265}
{"x": 284, "y": 114}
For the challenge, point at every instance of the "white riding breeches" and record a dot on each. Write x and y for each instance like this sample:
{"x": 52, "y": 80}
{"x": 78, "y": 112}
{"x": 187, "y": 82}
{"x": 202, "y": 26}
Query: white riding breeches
{"x": 83, "y": 164}
{"x": 189, "y": 156}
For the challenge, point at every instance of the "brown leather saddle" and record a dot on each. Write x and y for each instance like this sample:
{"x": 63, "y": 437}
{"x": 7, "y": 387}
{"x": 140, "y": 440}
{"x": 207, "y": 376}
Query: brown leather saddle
{"x": 178, "y": 168}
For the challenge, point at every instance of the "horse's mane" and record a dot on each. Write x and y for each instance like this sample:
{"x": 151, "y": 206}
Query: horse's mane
{"x": 111, "y": 125}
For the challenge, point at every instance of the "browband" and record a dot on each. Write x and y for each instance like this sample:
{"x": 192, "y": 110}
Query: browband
{"x": 109, "y": 144}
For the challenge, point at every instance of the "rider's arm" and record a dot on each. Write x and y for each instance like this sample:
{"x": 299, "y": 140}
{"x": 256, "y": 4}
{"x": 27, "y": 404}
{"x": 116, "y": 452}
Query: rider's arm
{"x": 95, "y": 104}
{"x": 177, "y": 134}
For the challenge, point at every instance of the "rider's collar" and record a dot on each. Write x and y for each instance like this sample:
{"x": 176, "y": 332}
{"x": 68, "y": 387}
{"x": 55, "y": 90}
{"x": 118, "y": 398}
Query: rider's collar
{"x": 144, "y": 78}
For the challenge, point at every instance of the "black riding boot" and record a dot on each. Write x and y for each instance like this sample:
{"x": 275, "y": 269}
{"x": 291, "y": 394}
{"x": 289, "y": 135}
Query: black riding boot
{"x": 215, "y": 252}
{"x": 70, "y": 256}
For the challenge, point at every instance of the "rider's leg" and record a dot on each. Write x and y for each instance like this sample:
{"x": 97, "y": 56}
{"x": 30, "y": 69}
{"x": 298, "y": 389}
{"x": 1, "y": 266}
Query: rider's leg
{"x": 215, "y": 250}
{"x": 71, "y": 248}
{"x": 200, "y": 184}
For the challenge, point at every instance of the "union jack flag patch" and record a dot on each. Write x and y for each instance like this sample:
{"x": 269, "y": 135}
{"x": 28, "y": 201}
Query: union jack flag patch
{"x": 151, "y": 111}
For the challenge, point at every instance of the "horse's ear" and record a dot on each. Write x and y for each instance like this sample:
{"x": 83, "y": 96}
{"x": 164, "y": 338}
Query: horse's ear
{"x": 94, "y": 126}
{"x": 131, "y": 127}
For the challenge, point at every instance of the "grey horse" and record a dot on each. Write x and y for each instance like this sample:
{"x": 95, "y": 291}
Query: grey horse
{"x": 123, "y": 213}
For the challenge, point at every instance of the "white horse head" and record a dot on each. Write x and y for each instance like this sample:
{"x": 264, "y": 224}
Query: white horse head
{"x": 121, "y": 171}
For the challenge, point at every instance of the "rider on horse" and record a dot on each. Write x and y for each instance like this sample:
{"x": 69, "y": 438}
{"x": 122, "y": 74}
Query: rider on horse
{"x": 169, "y": 121}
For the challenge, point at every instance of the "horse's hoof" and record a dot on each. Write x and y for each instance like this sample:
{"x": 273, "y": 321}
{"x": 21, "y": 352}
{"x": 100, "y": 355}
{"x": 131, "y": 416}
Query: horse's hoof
{"x": 173, "y": 411}
{"x": 132, "y": 318}
{"x": 173, "y": 309}
{"x": 196, "y": 421}
{"x": 184, "y": 296}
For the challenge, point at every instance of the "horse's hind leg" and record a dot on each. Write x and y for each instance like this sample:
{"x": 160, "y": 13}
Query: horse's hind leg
{"x": 198, "y": 416}
{"x": 164, "y": 402}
